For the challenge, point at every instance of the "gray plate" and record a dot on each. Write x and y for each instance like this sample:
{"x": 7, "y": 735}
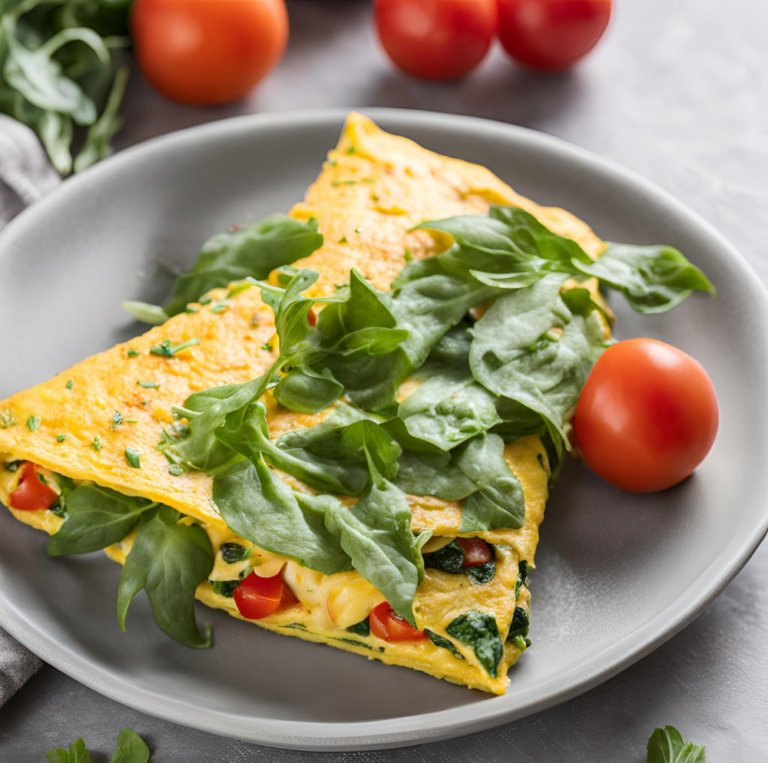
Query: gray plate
{"x": 617, "y": 574}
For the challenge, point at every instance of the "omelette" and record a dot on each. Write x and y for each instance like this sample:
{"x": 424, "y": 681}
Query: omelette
{"x": 353, "y": 447}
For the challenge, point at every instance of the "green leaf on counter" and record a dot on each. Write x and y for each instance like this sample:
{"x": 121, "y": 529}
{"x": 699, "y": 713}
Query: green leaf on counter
{"x": 168, "y": 560}
{"x": 76, "y": 754}
{"x": 667, "y": 746}
{"x": 131, "y": 748}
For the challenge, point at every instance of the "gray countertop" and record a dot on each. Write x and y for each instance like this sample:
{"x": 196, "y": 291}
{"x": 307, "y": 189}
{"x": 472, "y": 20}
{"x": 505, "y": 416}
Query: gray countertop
{"x": 677, "y": 91}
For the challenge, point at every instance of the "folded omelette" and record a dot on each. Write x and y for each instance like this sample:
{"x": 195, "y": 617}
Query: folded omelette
{"x": 354, "y": 450}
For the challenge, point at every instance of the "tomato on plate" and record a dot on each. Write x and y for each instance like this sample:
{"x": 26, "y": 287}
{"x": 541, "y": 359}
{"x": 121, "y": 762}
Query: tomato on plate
{"x": 476, "y": 552}
{"x": 259, "y": 597}
{"x": 388, "y": 626}
{"x": 551, "y": 34}
{"x": 436, "y": 39}
{"x": 208, "y": 51}
{"x": 646, "y": 417}
{"x": 32, "y": 494}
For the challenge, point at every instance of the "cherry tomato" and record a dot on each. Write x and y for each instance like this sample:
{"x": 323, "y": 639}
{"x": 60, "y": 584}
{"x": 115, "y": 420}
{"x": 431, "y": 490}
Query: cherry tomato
{"x": 208, "y": 51}
{"x": 476, "y": 552}
{"x": 551, "y": 34}
{"x": 312, "y": 319}
{"x": 388, "y": 626}
{"x": 32, "y": 494}
{"x": 258, "y": 597}
{"x": 646, "y": 417}
{"x": 436, "y": 39}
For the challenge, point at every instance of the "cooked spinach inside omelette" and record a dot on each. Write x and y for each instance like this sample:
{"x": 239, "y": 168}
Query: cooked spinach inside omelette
{"x": 347, "y": 422}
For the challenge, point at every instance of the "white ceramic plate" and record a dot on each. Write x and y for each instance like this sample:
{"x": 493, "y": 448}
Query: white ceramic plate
{"x": 617, "y": 574}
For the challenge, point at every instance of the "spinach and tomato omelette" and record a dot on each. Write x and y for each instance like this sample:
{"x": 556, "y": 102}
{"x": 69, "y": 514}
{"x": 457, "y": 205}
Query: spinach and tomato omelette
{"x": 346, "y": 425}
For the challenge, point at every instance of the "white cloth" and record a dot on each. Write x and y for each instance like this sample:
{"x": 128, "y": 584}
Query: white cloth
{"x": 25, "y": 175}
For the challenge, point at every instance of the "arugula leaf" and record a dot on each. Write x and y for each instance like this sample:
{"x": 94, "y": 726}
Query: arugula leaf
{"x": 76, "y": 754}
{"x": 653, "y": 279}
{"x": 480, "y": 633}
{"x": 516, "y": 353}
{"x": 168, "y": 561}
{"x": 667, "y": 746}
{"x": 131, "y": 748}
{"x": 258, "y": 506}
{"x": 376, "y": 534}
{"x": 499, "y": 501}
{"x": 96, "y": 518}
{"x": 252, "y": 251}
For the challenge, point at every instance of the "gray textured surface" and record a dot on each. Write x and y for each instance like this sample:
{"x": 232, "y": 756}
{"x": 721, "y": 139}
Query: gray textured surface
{"x": 677, "y": 92}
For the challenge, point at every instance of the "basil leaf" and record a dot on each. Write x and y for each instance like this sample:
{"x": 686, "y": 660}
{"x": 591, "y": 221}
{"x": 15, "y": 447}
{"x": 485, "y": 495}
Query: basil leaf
{"x": 253, "y": 251}
{"x": 258, "y": 506}
{"x": 76, "y": 754}
{"x": 131, "y": 748}
{"x": 168, "y": 561}
{"x": 480, "y": 633}
{"x": 667, "y": 746}
{"x": 653, "y": 279}
{"x": 516, "y": 354}
{"x": 96, "y": 518}
{"x": 499, "y": 501}
{"x": 376, "y": 534}
{"x": 449, "y": 408}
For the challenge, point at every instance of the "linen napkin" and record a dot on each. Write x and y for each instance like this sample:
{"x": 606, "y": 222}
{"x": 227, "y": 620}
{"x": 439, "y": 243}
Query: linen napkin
{"x": 25, "y": 175}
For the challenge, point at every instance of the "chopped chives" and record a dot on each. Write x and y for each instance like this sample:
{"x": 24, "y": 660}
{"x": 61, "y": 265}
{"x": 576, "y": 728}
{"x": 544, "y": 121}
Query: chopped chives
{"x": 205, "y": 300}
{"x": 167, "y": 350}
{"x": 266, "y": 348}
{"x": 61, "y": 437}
{"x": 149, "y": 385}
{"x": 219, "y": 306}
{"x": 96, "y": 444}
{"x": 117, "y": 419}
{"x": 33, "y": 422}
{"x": 133, "y": 353}
{"x": 408, "y": 255}
{"x": 69, "y": 384}
{"x": 131, "y": 421}
{"x": 343, "y": 240}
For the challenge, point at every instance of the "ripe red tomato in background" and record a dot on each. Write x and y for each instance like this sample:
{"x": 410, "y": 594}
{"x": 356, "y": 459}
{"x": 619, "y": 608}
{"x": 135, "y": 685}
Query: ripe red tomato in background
{"x": 436, "y": 39}
{"x": 647, "y": 416}
{"x": 32, "y": 494}
{"x": 208, "y": 51}
{"x": 388, "y": 626}
{"x": 551, "y": 34}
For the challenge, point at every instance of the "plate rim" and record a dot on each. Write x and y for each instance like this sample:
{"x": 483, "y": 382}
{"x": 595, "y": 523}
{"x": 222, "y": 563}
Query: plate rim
{"x": 443, "y": 724}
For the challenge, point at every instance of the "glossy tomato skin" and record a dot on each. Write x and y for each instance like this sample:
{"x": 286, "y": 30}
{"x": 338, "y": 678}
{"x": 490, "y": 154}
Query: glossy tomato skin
{"x": 551, "y": 34}
{"x": 436, "y": 39}
{"x": 388, "y": 626}
{"x": 476, "y": 552}
{"x": 646, "y": 417}
{"x": 257, "y": 597}
{"x": 208, "y": 51}
{"x": 32, "y": 494}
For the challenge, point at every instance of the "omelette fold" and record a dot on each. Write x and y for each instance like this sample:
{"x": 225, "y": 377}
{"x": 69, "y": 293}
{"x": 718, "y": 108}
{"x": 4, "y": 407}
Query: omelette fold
{"x": 99, "y": 423}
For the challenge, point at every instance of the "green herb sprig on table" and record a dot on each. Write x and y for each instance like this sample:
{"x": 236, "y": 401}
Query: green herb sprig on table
{"x": 59, "y": 68}
{"x": 131, "y": 748}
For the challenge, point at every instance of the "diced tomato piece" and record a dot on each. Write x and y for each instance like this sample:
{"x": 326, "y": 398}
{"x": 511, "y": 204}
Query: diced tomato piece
{"x": 476, "y": 552}
{"x": 32, "y": 494}
{"x": 388, "y": 626}
{"x": 287, "y": 599}
{"x": 258, "y": 597}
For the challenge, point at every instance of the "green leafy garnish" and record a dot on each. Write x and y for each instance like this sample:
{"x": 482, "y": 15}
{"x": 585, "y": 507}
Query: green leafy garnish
{"x": 61, "y": 437}
{"x": 176, "y": 470}
{"x": 149, "y": 384}
{"x": 480, "y": 633}
{"x": 76, "y": 754}
{"x": 33, "y": 423}
{"x": 363, "y": 628}
{"x": 133, "y": 457}
{"x": 117, "y": 419}
{"x": 133, "y": 353}
{"x": 69, "y": 384}
{"x": 168, "y": 561}
{"x": 667, "y": 746}
{"x": 146, "y": 313}
{"x": 444, "y": 643}
{"x": 96, "y": 444}
{"x": 167, "y": 350}
{"x": 131, "y": 748}
{"x": 232, "y": 553}
{"x": 7, "y": 419}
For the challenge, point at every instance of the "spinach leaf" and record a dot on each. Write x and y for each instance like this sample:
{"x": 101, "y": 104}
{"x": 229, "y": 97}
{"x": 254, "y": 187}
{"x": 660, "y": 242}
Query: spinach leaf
{"x": 96, "y": 518}
{"x": 522, "y": 577}
{"x": 453, "y": 347}
{"x": 308, "y": 391}
{"x": 448, "y": 559}
{"x": 506, "y": 249}
{"x": 482, "y": 573}
{"x": 168, "y": 561}
{"x": 252, "y": 251}
{"x": 376, "y": 534}
{"x": 76, "y": 754}
{"x": 232, "y": 553}
{"x": 532, "y": 348}
{"x": 433, "y": 474}
{"x": 444, "y": 643}
{"x": 131, "y": 748}
{"x": 519, "y": 625}
{"x": 499, "y": 501}
{"x": 225, "y": 588}
{"x": 667, "y": 746}
{"x": 258, "y": 506}
{"x": 653, "y": 279}
{"x": 363, "y": 628}
{"x": 480, "y": 633}
{"x": 66, "y": 487}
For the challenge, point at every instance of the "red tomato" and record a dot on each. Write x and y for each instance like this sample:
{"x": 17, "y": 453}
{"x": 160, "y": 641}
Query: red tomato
{"x": 32, "y": 494}
{"x": 258, "y": 597}
{"x": 208, "y": 51}
{"x": 312, "y": 318}
{"x": 388, "y": 626}
{"x": 551, "y": 34}
{"x": 646, "y": 417}
{"x": 476, "y": 552}
{"x": 436, "y": 39}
